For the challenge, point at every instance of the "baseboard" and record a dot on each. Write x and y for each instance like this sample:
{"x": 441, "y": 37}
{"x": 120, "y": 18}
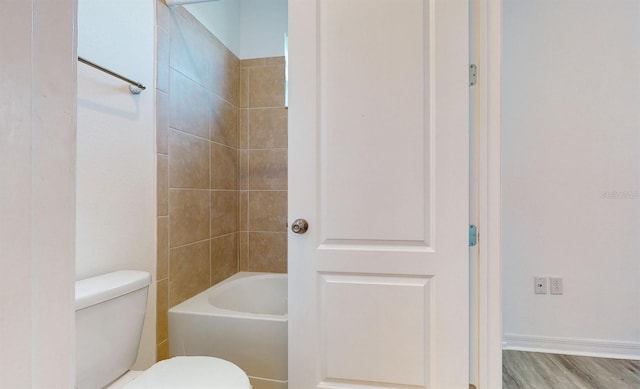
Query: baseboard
{"x": 569, "y": 346}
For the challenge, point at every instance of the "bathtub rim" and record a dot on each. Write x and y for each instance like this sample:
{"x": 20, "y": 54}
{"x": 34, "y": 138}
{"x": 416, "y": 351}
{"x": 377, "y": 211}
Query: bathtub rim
{"x": 199, "y": 304}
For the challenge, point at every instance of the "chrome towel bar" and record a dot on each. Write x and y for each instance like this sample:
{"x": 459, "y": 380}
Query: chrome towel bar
{"x": 134, "y": 87}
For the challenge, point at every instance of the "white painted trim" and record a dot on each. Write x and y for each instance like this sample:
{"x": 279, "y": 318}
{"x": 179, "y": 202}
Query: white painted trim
{"x": 569, "y": 346}
{"x": 488, "y": 43}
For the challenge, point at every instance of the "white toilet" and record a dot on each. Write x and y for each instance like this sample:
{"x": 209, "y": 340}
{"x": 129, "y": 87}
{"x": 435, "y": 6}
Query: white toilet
{"x": 109, "y": 315}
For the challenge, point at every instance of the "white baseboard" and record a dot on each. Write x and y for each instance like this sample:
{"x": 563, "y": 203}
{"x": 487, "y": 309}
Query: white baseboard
{"x": 569, "y": 346}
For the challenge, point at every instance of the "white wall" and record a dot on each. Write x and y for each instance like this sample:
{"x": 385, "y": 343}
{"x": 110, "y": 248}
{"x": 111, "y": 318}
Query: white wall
{"x": 37, "y": 138}
{"x": 571, "y": 174}
{"x": 262, "y": 27}
{"x": 249, "y": 28}
{"x": 222, "y": 18}
{"x": 116, "y": 192}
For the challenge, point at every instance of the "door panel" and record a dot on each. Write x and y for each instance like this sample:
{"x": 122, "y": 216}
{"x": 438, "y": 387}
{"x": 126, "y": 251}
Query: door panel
{"x": 356, "y": 329}
{"x": 364, "y": 73}
{"x": 378, "y": 143}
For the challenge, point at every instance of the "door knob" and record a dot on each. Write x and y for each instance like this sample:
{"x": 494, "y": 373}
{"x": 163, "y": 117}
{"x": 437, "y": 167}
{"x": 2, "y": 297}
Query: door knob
{"x": 300, "y": 226}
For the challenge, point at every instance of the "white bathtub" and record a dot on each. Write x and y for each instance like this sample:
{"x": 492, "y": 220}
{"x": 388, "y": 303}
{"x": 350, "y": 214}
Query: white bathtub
{"x": 243, "y": 319}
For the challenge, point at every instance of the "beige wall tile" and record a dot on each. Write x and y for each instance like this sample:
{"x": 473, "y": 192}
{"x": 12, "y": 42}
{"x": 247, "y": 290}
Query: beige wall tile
{"x": 268, "y": 211}
{"x": 189, "y": 271}
{"x": 224, "y": 167}
{"x": 268, "y": 169}
{"x": 243, "y": 169}
{"x": 190, "y": 106}
{"x": 190, "y": 46}
{"x": 268, "y": 252}
{"x": 224, "y": 122}
{"x": 224, "y": 71}
{"x": 224, "y": 212}
{"x": 243, "y": 129}
{"x": 162, "y": 60}
{"x": 274, "y": 61}
{"x": 188, "y": 161}
{"x": 218, "y": 67}
{"x": 232, "y": 93}
{"x": 162, "y": 185}
{"x": 251, "y": 62}
{"x": 188, "y": 216}
{"x": 162, "y": 122}
{"x": 162, "y": 351}
{"x": 266, "y": 86}
{"x": 217, "y": 62}
{"x": 162, "y": 309}
{"x": 162, "y": 243}
{"x": 179, "y": 51}
{"x": 267, "y": 128}
{"x": 243, "y": 251}
{"x": 244, "y": 88}
{"x": 224, "y": 257}
{"x": 243, "y": 211}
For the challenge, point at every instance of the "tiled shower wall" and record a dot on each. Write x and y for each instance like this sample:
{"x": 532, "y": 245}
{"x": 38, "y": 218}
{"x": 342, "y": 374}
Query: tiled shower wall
{"x": 197, "y": 118}
{"x": 221, "y": 171}
{"x": 263, "y": 166}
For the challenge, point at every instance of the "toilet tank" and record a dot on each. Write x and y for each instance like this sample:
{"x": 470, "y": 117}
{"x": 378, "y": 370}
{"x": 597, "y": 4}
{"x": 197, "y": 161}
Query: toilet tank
{"x": 109, "y": 316}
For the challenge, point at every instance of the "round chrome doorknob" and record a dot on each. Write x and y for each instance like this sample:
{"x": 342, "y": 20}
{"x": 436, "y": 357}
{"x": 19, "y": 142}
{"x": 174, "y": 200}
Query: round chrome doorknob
{"x": 300, "y": 226}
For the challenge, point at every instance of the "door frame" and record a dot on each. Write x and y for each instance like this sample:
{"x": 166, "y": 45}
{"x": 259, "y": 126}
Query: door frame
{"x": 487, "y": 36}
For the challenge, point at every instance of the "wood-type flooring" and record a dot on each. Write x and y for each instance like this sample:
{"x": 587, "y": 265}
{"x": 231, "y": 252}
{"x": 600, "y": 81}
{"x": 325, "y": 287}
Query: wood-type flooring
{"x": 529, "y": 370}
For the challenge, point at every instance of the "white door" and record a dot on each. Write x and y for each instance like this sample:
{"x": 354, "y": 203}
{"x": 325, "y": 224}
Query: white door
{"x": 378, "y": 166}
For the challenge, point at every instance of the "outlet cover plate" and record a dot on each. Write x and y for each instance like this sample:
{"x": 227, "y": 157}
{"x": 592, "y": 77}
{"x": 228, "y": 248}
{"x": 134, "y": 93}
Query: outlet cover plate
{"x": 540, "y": 285}
{"x": 555, "y": 285}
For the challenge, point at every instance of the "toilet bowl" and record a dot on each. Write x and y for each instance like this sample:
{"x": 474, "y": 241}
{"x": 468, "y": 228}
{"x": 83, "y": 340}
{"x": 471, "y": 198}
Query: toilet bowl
{"x": 191, "y": 372}
{"x": 109, "y": 315}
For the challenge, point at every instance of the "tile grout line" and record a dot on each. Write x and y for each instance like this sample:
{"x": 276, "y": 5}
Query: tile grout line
{"x": 198, "y": 83}
{"x": 184, "y": 132}
{"x": 248, "y": 174}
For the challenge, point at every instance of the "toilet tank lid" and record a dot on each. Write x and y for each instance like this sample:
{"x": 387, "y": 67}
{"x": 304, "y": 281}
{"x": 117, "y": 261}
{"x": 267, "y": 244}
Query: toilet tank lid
{"x": 96, "y": 290}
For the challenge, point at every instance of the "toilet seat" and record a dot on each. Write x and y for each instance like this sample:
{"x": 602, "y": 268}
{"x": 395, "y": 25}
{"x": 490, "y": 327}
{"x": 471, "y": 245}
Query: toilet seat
{"x": 192, "y": 372}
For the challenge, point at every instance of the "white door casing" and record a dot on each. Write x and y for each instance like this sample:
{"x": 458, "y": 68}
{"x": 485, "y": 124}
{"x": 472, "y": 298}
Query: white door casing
{"x": 379, "y": 167}
{"x": 487, "y": 34}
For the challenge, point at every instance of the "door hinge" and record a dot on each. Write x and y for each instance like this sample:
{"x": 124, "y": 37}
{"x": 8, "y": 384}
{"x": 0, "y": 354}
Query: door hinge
{"x": 473, "y": 75}
{"x": 473, "y": 235}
